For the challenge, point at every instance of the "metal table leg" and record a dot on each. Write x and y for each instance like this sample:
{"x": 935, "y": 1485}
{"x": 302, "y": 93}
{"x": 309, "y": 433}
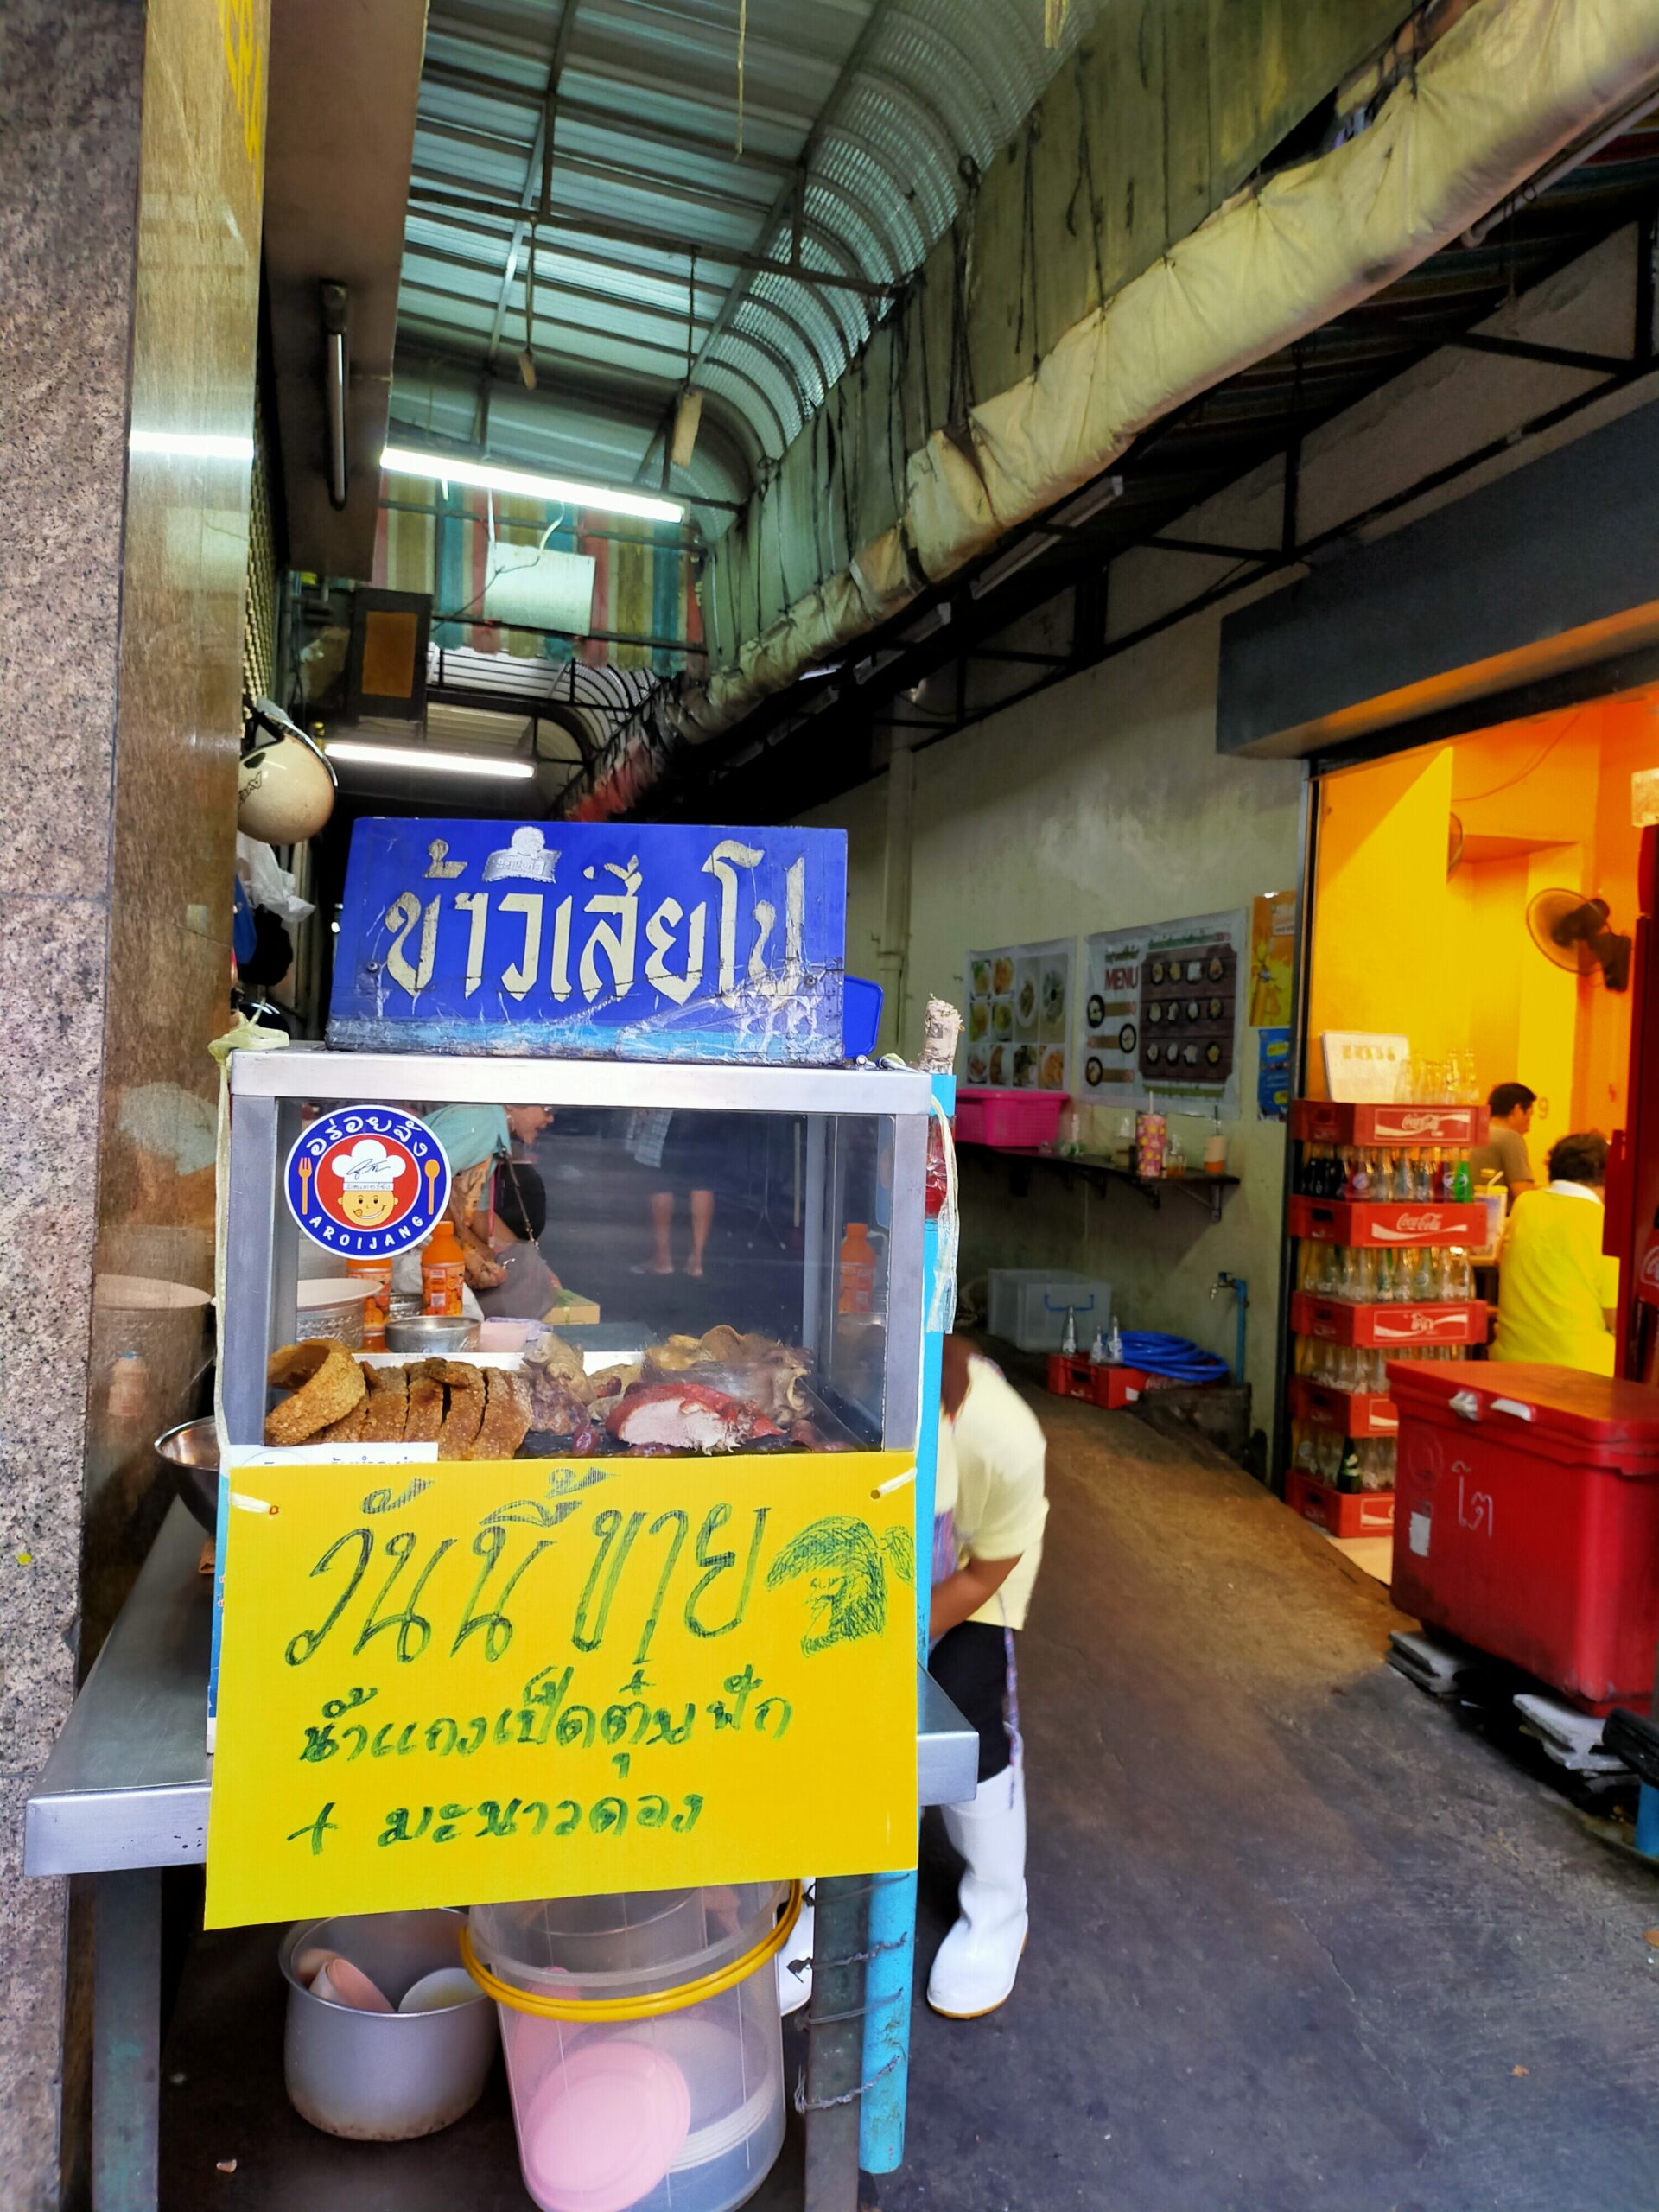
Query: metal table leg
{"x": 126, "y": 2040}
{"x": 834, "y": 2053}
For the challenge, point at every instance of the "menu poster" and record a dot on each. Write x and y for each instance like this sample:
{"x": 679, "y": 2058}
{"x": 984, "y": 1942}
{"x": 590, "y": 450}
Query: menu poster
{"x": 1020, "y": 1017}
{"x": 1161, "y": 1014}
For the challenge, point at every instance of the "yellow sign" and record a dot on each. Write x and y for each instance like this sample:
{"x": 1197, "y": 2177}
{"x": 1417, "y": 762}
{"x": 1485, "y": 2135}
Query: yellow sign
{"x": 520, "y": 1678}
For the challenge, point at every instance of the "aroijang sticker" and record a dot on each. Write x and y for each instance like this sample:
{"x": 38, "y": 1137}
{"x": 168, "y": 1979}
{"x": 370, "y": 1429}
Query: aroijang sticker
{"x": 367, "y": 1180}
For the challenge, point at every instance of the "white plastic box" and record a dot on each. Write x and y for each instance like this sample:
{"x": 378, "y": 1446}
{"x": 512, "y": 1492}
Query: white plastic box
{"x": 1028, "y": 1306}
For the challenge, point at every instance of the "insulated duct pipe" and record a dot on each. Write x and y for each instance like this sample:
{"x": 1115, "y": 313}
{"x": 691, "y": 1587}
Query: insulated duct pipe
{"x": 1510, "y": 87}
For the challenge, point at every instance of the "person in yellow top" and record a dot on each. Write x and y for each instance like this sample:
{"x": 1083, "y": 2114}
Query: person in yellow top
{"x": 989, "y": 1508}
{"x": 1558, "y": 1291}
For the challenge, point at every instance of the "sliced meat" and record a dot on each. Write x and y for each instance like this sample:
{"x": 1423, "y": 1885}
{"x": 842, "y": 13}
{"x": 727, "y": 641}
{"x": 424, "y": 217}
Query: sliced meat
{"x": 554, "y": 1406}
{"x": 348, "y": 1430}
{"x": 506, "y": 1420}
{"x": 687, "y": 1417}
{"x": 386, "y": 1408}
{"x": 425, "y": 1416}
{"x": 463, "y": 1420}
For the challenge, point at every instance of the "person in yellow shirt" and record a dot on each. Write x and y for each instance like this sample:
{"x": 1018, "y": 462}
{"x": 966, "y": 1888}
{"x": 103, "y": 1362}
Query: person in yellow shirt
{"x": 1558, "y": 1291}
{"x": 989, "y": 1508}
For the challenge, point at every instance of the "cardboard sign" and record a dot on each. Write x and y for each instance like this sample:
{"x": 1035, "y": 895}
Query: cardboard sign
{"x": 629, "y": 940}
{"x": 526, "y": 1678}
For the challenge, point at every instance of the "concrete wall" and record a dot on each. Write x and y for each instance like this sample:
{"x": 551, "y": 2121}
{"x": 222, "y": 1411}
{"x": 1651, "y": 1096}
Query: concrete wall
{"x": 1103, "y": 804}
{"x": 130, "y": 166}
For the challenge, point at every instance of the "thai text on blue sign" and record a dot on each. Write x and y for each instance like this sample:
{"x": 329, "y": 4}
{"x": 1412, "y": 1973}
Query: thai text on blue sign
{"x": 647, "y": 941}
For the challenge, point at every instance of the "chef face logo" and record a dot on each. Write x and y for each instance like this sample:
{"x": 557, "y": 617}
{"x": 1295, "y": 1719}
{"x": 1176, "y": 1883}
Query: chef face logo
{"x": 367, "y": 1180}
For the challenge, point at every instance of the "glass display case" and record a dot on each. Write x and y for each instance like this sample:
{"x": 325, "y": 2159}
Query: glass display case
{"x": 692, "y": 1205}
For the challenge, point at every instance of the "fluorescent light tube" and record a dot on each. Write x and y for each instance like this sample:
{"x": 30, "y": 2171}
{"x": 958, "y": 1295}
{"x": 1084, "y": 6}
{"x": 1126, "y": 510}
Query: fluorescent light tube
{"x": 192, "y": 445}
{"x": 417, "y": 756}
{"x": 456, "y": 468}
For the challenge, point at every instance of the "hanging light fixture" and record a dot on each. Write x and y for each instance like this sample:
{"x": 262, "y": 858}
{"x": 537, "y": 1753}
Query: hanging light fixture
{"x": 489, "y": 476}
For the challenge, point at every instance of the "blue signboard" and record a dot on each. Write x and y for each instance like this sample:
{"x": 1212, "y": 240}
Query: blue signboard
{"x": 600, "y": 940}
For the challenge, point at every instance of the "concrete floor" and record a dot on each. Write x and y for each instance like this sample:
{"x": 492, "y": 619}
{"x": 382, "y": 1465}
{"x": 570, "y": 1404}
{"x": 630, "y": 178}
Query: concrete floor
{"x": 1300, "y": 1938}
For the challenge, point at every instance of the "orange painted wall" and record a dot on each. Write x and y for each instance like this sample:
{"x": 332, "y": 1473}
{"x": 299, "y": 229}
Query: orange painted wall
{"x": 1401, "y": 944}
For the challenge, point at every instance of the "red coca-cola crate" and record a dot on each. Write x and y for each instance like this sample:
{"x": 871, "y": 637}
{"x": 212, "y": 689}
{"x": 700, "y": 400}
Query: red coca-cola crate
{"x": 1396, "y": 1328}
{"x": 1403, "y": 1222}
{"x": 1339, "y": 1512}
{"x": 1109, "y": 1387}
{"x": 1529, "y": 1520}
{"x": 1328, "y": 1121}
{"x": 1351, "y": 1413}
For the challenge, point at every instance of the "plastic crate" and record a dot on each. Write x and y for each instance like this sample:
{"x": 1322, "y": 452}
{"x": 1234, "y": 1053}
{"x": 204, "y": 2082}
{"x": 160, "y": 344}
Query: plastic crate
{"x": 1324, "y": 1121}
{"x": 1027, "y": 1306}
{"x": 1398, "y": 1328}
{"x": 1351, "y": 1413}
{"x": 1339, "y": 1512}
{"x": 1395, "y": 1222}
{"x": 1106, "y": 1387}
{"x": 1017, "y": 1120}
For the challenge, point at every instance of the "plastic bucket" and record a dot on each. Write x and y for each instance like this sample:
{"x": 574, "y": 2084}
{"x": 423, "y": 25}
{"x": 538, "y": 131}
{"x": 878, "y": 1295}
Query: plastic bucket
{"x": 384, "y": 2077}
{"x": 679, "y": 2110}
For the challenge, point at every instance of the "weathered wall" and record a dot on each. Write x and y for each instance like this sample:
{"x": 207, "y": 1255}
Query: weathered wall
{"x": 1166, "y": 109}
{"x": 130, "y": 161}
{"x": 1103, "y": 801}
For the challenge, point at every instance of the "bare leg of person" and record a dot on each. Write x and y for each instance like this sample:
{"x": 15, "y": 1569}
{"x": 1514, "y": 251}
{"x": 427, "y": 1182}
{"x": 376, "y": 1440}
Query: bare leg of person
{"x": 662, "y": 1225}
{"x": 702, "y": 1220}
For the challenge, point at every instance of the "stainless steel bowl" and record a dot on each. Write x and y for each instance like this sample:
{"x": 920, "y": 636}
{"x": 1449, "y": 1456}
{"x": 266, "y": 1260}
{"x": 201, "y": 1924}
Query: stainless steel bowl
{"x": 384, "y": 2077}
{"x": 191, "y": 1451}
{"x": 432, "y": 1332}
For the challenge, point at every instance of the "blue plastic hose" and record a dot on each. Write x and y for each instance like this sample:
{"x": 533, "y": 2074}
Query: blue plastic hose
{"x": 1177, "y": 1359}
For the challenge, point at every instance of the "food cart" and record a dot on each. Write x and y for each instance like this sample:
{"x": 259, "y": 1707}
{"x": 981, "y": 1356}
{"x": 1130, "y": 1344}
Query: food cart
{"x": 766, "y": 1716}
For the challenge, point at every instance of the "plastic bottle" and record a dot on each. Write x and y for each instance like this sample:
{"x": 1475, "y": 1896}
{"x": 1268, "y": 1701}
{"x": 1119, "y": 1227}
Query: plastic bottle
{"x": 374, "y": 1276}
{"x": 443, "y": 1271}
{"x": 855, "y": 1279}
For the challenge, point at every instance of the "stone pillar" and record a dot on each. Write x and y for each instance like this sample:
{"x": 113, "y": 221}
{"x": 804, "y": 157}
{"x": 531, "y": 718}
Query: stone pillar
{"x": 131, "y": 167}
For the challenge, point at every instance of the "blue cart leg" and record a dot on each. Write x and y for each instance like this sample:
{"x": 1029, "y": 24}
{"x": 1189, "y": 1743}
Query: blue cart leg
{"x": 126, "y": 2040}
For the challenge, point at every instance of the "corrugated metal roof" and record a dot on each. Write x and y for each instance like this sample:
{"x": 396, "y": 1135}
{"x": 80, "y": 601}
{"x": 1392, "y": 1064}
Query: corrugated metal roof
{"x": 862, "y": 123}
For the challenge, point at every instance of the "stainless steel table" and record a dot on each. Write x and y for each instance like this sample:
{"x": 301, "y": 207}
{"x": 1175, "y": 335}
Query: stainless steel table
{"x": 125, "y": 1794}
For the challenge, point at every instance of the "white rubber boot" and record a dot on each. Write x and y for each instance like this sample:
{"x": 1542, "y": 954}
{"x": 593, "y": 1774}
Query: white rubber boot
{"x": 973, "y": 1971}
{"x": 794, "y": 1962}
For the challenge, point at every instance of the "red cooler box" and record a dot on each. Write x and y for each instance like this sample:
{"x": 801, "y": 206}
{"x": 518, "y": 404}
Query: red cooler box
{"x": 1527, "y": 1520}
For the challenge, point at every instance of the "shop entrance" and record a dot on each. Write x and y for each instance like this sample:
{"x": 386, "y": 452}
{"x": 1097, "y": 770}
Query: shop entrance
{"x": 1473, "y": 922}
{"x": 1430, "y": 871}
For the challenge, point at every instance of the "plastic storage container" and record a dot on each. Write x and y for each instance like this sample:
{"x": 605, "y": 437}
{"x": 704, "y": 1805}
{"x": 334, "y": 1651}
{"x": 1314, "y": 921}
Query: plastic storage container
{"x": 1528, "y": 1520}
{"x": 860, "y": 1016}
{"x": 1028, "y": 1306}
{"x": 680, "y": 2112}
{"x": 1013, "y": 1119}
